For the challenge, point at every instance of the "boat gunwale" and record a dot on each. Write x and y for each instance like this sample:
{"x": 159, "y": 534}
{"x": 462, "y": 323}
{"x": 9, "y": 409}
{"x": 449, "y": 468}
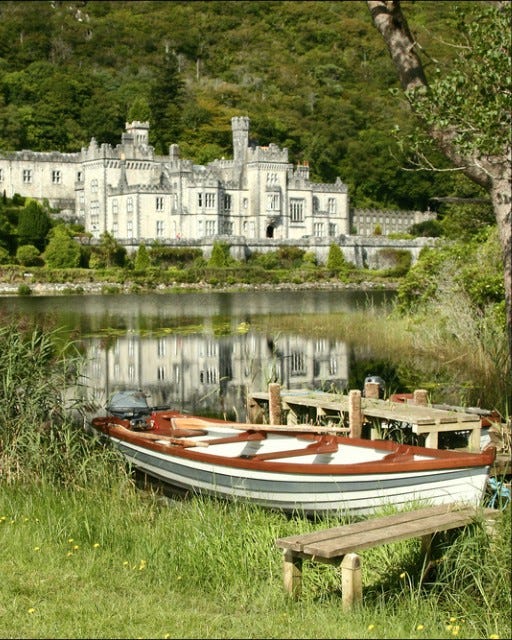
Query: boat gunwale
{"x": 439, "y": 459}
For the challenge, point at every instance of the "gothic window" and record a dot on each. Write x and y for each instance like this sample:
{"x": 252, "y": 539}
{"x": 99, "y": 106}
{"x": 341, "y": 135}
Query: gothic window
{"x": 115, "y": 206}
{"x": 79, "y": 176}
{"x": 273, "y": 202}
{"x": 210, "y": 228}
{"x": 316, "y": 204}
{"x": 94, "y": 186}
{"x": 27, "y": 176}
{"x": 333, "y": 228}
{"x": 160, "y": 373}
{"x": 271, "y": 178}
{"x": 159, "y": 203}
{"x": 159, "y": 228}
{"x": 296, "y": 210}
{"x": 129, "y": 229}
{"x": 318, "y": 229}
{"x": 199, "y": 199}
{"x": 56, "y": 177}
{"x": 227, "y": 202}
{"x": 245, "y": 203}
{"x": 331, "y": 205}
{"x": 129, "y": 205}
{"x": 209, "y": 200}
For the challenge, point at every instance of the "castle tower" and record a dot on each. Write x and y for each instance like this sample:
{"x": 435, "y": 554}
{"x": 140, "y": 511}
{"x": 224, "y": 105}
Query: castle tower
{"x": 240, "y": 129}
{"x": 137, "y": 133}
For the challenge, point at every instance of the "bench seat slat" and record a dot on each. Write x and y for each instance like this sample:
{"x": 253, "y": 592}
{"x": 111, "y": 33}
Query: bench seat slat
{"x": 385, "y": 535}
{"x": 297, "y": 542}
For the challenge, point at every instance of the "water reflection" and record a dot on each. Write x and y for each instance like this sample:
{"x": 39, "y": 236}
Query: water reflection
{"x": 198, "y": 351}
{"x": 208, "y": 374}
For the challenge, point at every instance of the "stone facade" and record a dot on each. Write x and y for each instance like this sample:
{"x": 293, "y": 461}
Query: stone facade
{"x": 137, "y": 196}
{"x": 365, "y": 222}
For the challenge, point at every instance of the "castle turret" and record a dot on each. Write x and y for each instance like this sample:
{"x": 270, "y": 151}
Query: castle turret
{"x": 240, "y": 128}
{"x": 137, "y": 133}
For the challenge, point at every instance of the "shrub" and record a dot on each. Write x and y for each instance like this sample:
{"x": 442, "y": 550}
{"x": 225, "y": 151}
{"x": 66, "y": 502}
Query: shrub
{"x": 29, "y": 256}
{"x": 24, "y": 290}
{"x": 221, "y": 256}
{"x": 142, "y": 259}
{"x": 62, "y": 251}
{"x": 5, "y": 258}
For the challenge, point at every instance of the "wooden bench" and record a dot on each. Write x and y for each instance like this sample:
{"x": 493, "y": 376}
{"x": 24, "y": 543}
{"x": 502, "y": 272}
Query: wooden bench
{"x": 338, "y": 545}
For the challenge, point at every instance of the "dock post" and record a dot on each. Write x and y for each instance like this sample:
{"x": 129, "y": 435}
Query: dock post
{"x": 371, "y": 390}
{"x": 355, "y": 416}
{"x": 419, "y": 397}
{"x": 351, "y": 581}
{"x": 274, "y": 403}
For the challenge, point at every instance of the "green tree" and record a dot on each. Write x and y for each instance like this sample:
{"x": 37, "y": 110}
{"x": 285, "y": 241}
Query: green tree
{"x": 139, "y": 110}
{"x": 142, "y": 259}
{"x": 5, "y": 258}
{"x": 220, "y": 256}
{"x": 33, "y": 225}
{"x": 166, "y": 97}
{"x": 336, "y": 261}
{"x": 62, "y": 251}
{"x": 29, "y": 256}
{"x": 111, "y": 252}
{"x": 464, "y": 110}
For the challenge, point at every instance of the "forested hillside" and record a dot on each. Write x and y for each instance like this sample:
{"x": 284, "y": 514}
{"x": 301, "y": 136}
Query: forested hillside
{"x": 313, "y": 76}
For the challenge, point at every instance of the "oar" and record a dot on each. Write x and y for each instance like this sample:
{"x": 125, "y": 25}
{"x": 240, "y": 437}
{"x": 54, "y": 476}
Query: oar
{"x": 154, "y": 436}
{"x": 198, "y": 423}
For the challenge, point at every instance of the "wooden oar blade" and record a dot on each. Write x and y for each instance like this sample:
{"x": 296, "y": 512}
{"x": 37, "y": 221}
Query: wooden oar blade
{"x": 199, "y": 423}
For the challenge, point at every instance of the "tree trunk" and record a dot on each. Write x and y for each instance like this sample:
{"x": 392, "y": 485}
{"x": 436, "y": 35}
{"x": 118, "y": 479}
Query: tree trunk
{"x": 492, "y": 173}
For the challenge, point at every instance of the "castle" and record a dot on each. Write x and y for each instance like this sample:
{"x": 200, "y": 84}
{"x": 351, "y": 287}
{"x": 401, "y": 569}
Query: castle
{"x": 139, "y": 197}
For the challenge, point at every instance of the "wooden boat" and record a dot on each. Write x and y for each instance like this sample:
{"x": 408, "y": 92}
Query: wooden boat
{"x": 305, "y": 468}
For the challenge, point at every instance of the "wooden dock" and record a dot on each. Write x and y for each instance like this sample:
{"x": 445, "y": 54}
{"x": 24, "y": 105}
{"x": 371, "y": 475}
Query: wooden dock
{"x": 350, "y": 412}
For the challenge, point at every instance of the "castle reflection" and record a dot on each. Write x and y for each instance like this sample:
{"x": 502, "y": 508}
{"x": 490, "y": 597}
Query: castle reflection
{"x": 209, "y": 374}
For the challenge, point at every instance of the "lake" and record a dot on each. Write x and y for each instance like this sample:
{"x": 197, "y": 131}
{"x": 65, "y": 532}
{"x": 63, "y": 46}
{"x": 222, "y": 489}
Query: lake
{"x": 198, "y": 351}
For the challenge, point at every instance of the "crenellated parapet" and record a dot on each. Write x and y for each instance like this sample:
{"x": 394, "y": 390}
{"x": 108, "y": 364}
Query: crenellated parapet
{"x": 272, "y": 153}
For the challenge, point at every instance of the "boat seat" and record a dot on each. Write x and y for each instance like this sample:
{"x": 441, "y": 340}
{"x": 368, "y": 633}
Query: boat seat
{"x": 243, "y": 436}
{"x": 326, "y": 444}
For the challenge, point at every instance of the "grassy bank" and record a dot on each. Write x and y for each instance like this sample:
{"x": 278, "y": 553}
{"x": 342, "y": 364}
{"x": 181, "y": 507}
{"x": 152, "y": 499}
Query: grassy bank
{"x": 119, "y": 563}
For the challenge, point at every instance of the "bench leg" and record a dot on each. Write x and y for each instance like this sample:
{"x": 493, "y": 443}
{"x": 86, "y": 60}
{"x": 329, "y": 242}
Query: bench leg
{"x": 351, "y": 581}
{"x": 292, "y": 573}
{"x": 426, "y": 550}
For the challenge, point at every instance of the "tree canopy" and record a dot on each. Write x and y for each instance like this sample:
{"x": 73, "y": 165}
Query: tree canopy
{"x": 312, "y": 76}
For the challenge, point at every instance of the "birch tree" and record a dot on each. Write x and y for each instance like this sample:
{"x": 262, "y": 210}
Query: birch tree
{"x": 465, "y": 110}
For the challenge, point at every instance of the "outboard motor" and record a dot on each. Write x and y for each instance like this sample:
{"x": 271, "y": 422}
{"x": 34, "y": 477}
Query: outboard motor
{"x": 129, "y": 405}
{"x": 379, "y": 381}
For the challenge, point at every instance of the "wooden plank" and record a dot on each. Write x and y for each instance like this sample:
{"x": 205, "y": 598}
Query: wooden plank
{"x": 387, "y": 534}
{"x": 297, "y": 542}
{"x": 383, "y": 409}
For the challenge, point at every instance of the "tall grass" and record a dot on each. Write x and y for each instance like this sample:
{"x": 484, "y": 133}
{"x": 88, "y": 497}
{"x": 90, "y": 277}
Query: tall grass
{"x": 41, "y": 436}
